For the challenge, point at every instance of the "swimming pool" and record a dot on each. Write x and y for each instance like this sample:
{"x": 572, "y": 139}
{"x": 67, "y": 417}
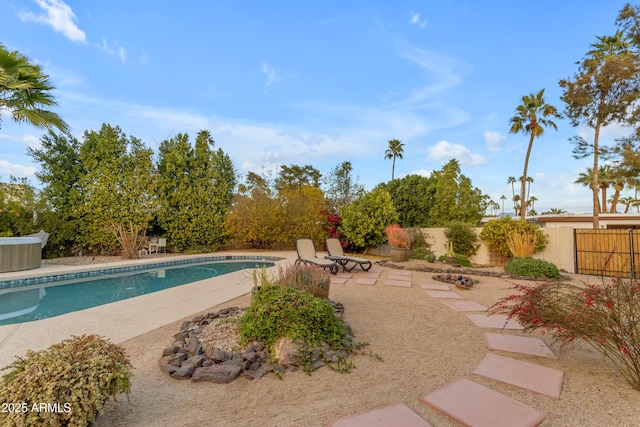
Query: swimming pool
{"x": 60, "y": 295}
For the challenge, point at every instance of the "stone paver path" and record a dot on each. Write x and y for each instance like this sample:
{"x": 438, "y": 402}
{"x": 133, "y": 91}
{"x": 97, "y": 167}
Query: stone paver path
{"x": 464, "y": 400}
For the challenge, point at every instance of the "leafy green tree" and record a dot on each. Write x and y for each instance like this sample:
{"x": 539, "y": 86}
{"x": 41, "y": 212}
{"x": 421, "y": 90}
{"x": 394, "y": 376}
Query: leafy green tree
{"x": 341, "y": 187}
{"x": 530, "y": 118}
{"x": 364, "y": 220}
{"x": 605, "y": 90}
{"x": 396, "y": 149}
{"x": 454, "y": 199}
{"x": 25, "y": 92}
{"x": 118, "y": 187}
{"x": 297, "y": 176}
{"x": 60, "y": 173}
{"x": 196, "y": 186}
{"x": 412, "y": 198}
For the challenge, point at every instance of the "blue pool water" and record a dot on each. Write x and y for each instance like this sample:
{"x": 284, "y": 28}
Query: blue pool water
{"x": 35, "y": 302}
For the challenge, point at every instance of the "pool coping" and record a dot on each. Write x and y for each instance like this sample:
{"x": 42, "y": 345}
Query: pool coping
{"x": 54, "y": 278}
{"x": 124, "y": 320}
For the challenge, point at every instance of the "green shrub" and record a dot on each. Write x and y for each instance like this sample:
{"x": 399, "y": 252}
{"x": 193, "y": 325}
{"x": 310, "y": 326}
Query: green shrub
{"x": 532, "y": 267}
{"x": 278, "y": 311}
{"x": 496, "y": 233}
{"x": 74, "y": 377}
{"x": 463, "y": 237}
{"x": 419, "y": 253}
{"x": 431, "y": 257}
{"x": 314, "y": 280}
{"x": 417, "y": 240}
{"x": 462, "y": 260}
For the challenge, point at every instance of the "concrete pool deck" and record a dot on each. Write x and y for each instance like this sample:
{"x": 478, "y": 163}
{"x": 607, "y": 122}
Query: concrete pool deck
{"x": 123, "y": 320}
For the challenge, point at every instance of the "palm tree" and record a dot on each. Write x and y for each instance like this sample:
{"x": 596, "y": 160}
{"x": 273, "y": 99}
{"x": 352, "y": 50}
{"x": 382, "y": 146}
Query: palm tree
{"x": 512, "y": 180}
{"x": 395, "y": 150}
{"x": 532, "y": 200}
{"x": 495, "y": 206}
{"x": 503, "y": 198}
{"x": 627, "y": 202}
{"x": 554, "y": 211}
{"x": 586, "y": 179}
{"x": 531, "y": 119}
{"x": 24, "y": 92}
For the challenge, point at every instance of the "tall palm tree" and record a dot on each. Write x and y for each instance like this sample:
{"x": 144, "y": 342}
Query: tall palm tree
{"x": 586, "y": 179}
{"x": 530, "y": 118}
{"x": 503, "y": 198}
{"x": 532, "y": 200}
{"x": 25, "y": 92}
{"x": 395, "y": 150}
{"x": 512, "y": 180}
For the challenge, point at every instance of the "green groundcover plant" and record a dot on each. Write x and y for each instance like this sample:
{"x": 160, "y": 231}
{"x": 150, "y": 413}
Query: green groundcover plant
{"x": 605, "y": 315}
{"x": 64, "y": 385}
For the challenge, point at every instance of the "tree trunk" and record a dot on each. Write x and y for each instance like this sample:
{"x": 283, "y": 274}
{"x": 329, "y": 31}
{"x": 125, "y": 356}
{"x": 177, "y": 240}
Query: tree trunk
{"x": 594, "y": 184}
{"x": 523, "y": 183}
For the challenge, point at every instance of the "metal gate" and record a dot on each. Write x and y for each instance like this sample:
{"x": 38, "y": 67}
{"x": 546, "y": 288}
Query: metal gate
{"x": 607, "y": 252}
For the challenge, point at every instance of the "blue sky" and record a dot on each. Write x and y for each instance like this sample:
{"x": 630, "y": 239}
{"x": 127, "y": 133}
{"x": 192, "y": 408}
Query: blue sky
{"x": 319, "y": 83}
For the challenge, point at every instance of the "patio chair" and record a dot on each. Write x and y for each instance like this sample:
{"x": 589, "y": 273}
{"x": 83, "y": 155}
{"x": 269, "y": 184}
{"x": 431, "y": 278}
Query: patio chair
{"x": 307, "y": 255}
{"x": 337, "y": 254}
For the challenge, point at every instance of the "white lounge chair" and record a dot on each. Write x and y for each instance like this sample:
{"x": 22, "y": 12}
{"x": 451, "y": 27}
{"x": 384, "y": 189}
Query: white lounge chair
{"x": 307, "y": 255}
{"x": 337, "y": 254}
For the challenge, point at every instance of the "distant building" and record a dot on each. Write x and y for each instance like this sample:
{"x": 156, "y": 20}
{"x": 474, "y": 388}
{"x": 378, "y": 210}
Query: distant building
{"x": 607, "y": 221}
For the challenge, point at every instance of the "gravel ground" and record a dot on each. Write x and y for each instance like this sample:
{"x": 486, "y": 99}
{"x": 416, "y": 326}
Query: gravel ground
{"x": 423, "y": 345}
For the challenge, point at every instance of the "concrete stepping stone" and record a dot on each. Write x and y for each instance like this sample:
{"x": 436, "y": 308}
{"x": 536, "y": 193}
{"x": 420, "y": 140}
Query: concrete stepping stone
{"x": 339, "y": 280}
{"x": 443, "y": 294}
{"x": 529, "y": 376}
{"x": 343, "y": 274}
{"x": 516, "y": 344}
{"x": 369, "y": 275}
{"x": 401, "y": 283}
{"x": 464, "y": 305}
{"x": 435, "y": 287}
{"x": 389, "y": 416}
{"x": 497, "y": 321}
{"x": 366, "y": 281}
{"x": 398, "y": 277}
{"x": 475, "y": 405}
{"x": 401, "y": 273}
{"x": 375, "y": 270}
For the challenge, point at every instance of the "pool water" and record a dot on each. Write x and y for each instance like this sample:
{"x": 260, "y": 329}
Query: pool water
{"x": 42, "y": 302}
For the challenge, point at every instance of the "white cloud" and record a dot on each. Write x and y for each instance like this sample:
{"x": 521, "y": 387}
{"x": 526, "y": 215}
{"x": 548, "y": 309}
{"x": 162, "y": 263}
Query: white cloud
{"x": 59, "y": 16}
{"x": 270, "y": 72}
{"x": 29, "y": 140}
{"x": 494, "y": 140}
{"x": 116, "y": 50}
{"x": 16, "y": 169}
{"x": 444, "y": 151}
{"x": 416, "y": 19}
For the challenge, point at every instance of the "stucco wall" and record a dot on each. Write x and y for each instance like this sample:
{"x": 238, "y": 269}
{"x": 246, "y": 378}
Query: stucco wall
{"x": 559, "y": 250}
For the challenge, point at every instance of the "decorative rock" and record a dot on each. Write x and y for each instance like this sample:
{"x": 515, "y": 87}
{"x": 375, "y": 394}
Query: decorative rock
{"x": 170, "y": 350}
{"x": 184, "y": 372}
{"x": 219, "y": 374}
{"x": 286, "y": 352}
{"x": 215, "y": 354}
{"x": 177, "y": 359}
{"x": 186, "y": 358}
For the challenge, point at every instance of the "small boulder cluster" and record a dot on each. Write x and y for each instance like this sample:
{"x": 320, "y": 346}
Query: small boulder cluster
{"x": 459, "y": 280}
{"x": 187, "y": 357}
